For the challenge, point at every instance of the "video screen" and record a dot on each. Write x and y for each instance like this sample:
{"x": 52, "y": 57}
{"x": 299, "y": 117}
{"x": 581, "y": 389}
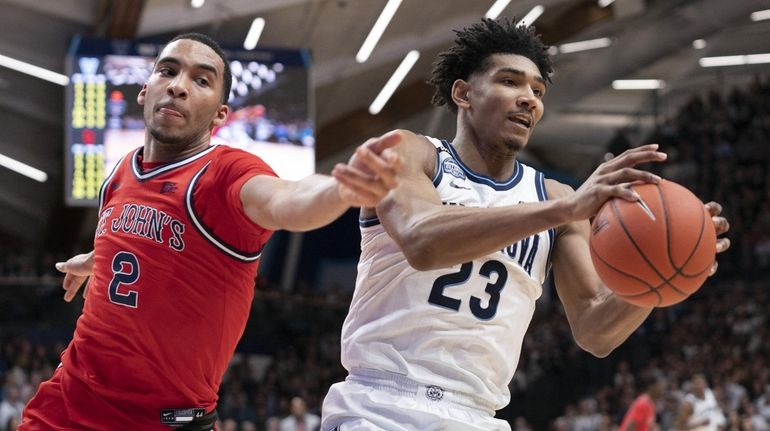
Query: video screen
{"x": 270, "y": 110}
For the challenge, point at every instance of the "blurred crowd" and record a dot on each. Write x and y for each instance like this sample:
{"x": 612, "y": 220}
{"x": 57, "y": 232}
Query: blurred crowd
{"x": 289, "y": 355}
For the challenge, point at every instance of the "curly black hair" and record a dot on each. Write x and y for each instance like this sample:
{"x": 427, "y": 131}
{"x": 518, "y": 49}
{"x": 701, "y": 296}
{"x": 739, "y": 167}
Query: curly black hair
{"x": 206, "y": 40}
{"x": 475, "y": 44}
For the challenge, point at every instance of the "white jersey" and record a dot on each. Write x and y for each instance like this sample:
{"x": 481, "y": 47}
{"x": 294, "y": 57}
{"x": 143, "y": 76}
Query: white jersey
{"x": 459, "y": 328}
{"x": 706, "y": 409}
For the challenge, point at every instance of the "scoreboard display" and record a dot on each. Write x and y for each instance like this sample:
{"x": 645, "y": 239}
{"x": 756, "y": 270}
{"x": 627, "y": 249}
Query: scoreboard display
{"x": 270, "y": 110}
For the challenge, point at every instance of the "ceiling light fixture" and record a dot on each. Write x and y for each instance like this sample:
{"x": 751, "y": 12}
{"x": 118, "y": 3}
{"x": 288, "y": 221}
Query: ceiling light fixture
{"x": 585, "y": 45}
{"x": 699, "y": 44}
{"x": 734, "y": 60}
{"x": 32, "y": 70}
{"x": 22, "y": 168}
{"x": 497, "y": 9}
{"x": 531, "y": 16}
{"x": 254, "y": 33}
{"x": 377, "y": 29}
{"x": 394, "y": 81}
{"x": 760, "y": 15}
{"x": 638, "y": 84}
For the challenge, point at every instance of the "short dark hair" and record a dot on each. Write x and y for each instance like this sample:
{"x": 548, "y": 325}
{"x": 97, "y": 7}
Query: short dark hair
{"x": 211, "y": 43}
{"x": 475, "y": 44}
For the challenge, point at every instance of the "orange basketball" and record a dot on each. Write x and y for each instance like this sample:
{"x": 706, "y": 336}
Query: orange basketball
{"x": 655, "y": 252}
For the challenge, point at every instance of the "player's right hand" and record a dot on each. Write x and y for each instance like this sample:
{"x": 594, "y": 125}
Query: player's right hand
{"x": 76, "y": 270}
{"x": 613, "y": 178}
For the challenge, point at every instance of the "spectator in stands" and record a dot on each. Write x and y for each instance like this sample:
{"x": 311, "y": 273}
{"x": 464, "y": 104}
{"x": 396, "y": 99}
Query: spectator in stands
{"x": 300, "y": 419}
{"x": 10, "y": 407}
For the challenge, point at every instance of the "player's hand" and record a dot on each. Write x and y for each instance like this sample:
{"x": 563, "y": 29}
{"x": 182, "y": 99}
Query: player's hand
{"x": 76, "y": 270}
{"x": 371, "y": 172}
{"x": 721, "y": 225}
{"x": 613, "y": 178}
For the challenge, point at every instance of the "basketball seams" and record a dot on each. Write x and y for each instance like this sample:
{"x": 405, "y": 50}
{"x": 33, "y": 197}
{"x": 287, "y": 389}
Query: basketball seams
{"x": 631, "y": 276}
{"x": 680, "y": 269}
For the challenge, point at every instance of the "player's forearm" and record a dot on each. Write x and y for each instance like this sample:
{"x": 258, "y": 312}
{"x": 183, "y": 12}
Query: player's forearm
{"x": 309, "y": 204}
{"x": 606, "y": 323}
{"x": 442, "y": 236}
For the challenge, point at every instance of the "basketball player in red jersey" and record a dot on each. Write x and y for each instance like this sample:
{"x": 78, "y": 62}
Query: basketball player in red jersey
{"x": 641, "y": 414}
{"x": 176, "y": 249}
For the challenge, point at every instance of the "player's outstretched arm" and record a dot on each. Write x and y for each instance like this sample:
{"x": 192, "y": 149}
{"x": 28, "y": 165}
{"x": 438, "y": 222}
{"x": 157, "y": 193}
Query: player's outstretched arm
{"x": 76, "y": 270}
{"x": 318, "y": 200}
{"x": 600, "y": 321}
{"x": 433, "y": 235}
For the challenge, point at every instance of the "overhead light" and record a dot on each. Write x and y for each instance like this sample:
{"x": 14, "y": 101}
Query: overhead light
{"x": 197, "y": 3}
{"x": 760, "y": 15}
{"x": 531, "y": 16}
{"x": 377, "y": 29}
{"x": 638, "y": 84}
{"x": 24, "y": 169}
{"x": 32, "y": 70}
{"x": 254, "y": 33}
{"x": 585, "y": 45}
{"x": 699, "y": 44}
{"x": 496, "y": 9}
{"x": 605, "y": 3}
{"x": 734, "y": 60}
{"x": 394, "y": 81}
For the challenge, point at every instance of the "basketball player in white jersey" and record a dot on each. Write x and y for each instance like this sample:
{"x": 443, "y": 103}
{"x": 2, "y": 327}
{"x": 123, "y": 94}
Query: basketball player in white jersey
{"x": 699, "y": 410}
{"x": 453, "y": 259}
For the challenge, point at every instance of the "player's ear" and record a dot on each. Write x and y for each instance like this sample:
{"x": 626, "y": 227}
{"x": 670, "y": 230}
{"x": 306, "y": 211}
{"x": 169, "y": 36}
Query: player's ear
{"x": 460, "y": 92}
{"x": 141, "y": 97}
{"x": 221, "y": 115}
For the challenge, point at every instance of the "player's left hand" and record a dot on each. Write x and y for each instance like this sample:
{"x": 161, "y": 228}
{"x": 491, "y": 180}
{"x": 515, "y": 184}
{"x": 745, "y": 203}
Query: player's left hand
{"x": 721, "y": 225}
{"x": 371, "y": 172}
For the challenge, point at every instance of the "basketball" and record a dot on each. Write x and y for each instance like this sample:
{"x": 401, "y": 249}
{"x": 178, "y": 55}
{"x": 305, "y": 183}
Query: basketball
{"x": 655, "y": 252}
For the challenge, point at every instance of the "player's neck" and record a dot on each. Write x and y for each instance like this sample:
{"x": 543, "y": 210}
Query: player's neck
{"x": 156, "y": 151}
{"x": 484, "y": 157}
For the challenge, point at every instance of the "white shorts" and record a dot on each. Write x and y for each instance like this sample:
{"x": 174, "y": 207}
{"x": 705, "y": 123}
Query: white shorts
{"x": 365, "y": 403}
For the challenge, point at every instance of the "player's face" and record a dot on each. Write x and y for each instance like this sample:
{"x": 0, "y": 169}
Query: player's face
{"x": 182, "y": 98}
{"x": 506, "y": 100}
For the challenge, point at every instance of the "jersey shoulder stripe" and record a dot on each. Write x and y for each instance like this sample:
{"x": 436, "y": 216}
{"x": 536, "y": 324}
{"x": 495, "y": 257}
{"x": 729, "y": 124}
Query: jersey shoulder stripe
{"x": 207, "y": 233}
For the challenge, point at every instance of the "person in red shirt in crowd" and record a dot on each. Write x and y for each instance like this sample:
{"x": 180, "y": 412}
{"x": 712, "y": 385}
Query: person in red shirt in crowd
{"x": 641, "y": 414}
{"x": 176, "y": 249}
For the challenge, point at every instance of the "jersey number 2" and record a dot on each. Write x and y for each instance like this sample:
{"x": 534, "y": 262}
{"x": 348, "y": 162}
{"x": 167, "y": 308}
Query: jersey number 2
{"x": 125, "y": 270}
{"x": 487, "y": 269}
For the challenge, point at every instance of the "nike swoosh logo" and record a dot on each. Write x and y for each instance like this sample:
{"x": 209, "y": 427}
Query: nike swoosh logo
{"x": 457, "y": 186}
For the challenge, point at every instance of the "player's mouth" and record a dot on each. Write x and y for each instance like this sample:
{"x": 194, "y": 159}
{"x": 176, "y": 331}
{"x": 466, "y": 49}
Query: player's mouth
{"x": 521, "y": 120}
{"x": 170, "y": 110}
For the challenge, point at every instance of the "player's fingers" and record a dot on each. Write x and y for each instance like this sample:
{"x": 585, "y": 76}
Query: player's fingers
{"x": 714, "y": 208}
{"x": 713, "y": 269}
{"x": 358, "y": 196}
{"x": 61, "y": 266}
{"x": 388, "y": 140}
{"x": 636, "y": 158}
{"x": 352, "y": 177}
{"x": 378, "y": 166}
{"x": 71, "y": 285}
{"x": 723, "y": 244}
{"x": 721, "y": 225}
{"x": 629, "y": 175}
{"x": 624, "y": 191}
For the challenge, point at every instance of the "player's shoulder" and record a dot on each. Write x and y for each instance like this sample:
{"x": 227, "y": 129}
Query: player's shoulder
{"x": 556, "y": 189}
{"x": 226, "y": 157}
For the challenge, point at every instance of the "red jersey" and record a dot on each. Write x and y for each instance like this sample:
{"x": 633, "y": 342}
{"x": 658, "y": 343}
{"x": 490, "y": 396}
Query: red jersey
{"x": 642, "y": 411}
{"x": 175, "y": 259}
